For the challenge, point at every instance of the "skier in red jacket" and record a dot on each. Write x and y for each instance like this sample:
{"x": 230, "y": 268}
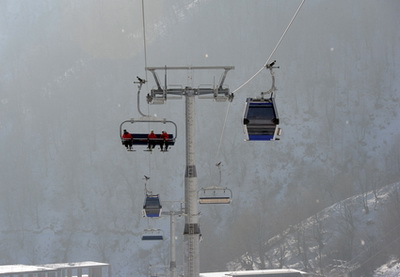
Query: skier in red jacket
{"x": 165, "y": 141}
{"x": 127, "y": 140}
{"x": 151, "y": 143}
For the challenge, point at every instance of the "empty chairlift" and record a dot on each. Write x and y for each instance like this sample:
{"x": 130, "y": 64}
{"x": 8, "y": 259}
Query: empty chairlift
{"x": 215, "y": 195}
{"x": 152, "y": 235}
{"x": 152, "y": 206}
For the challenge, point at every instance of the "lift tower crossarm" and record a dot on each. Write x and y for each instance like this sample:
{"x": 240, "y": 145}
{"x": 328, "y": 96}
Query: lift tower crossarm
{"x": 159, "y": 95}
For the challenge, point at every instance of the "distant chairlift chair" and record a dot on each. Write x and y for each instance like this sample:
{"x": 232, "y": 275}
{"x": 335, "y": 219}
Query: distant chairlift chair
{"x": 152, "y": 235}
{"x": 215, "y": 195}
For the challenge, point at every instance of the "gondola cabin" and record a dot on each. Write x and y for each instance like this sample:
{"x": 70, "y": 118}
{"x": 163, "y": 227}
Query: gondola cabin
{"x": 152, "y": 206}
{"x": 261, "y": 120}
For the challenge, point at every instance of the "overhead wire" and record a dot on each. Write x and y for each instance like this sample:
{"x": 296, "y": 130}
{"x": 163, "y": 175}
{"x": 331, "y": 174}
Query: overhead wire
{"x": 258, "y": 72}
{"x": 223, "y": 130}
{"x": 145, "y": 64}
{"x": 241, "y": 86}
{"x": 273, "y": 51}
{"x": 144, "y": 39}
{"x": 145, "y": 48}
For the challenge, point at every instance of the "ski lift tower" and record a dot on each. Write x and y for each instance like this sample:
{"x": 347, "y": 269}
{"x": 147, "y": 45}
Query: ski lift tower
{"x": 159, "y": 95}
{"x": 172, "y": 247}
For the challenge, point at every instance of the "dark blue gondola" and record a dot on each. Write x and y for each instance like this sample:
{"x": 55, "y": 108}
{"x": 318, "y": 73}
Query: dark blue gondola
{"x": 152, "y": 206}
{"x": 261, "y": 120}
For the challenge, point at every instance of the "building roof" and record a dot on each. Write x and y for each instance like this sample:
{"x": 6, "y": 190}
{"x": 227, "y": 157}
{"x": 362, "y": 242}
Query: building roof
{"x": 21, "y": 268}
{"x": 264, "y": 272}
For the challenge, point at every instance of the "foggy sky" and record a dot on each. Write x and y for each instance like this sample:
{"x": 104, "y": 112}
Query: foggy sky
{"x": 69, "y": 190}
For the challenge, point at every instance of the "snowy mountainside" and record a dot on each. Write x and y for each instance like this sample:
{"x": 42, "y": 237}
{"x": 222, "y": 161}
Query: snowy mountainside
{"x": 317, "y": 244}
{"x": 390, "y": 269}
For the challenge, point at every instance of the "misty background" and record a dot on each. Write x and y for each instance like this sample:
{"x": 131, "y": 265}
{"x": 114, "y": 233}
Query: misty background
{"x": 69, "y": 191}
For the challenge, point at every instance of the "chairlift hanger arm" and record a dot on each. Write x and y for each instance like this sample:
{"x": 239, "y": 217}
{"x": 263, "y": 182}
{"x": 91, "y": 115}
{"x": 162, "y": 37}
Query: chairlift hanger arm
{"x": 271, "y": 66}
{"x": 141, "y": 82}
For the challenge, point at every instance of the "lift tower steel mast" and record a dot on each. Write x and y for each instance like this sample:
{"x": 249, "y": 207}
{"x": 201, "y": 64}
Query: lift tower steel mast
{"x": 159, "y": 96}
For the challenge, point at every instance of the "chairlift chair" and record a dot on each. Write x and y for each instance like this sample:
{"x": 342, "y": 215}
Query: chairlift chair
{"x": 152, "y": 206}
{"x": 215, "y": 195}
{"x": 152, "y": 235}
{"x": 140, "y": 138}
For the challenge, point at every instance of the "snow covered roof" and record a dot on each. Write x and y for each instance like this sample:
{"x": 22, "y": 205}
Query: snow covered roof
{"x": 75, "y": 265}
{"x": 21, "y": 268}
{"x": 254, "y": 273}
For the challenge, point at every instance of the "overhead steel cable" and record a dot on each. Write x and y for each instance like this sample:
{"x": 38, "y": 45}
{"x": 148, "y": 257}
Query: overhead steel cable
{"x": 144, "y": 39}
{"x": 273, "y": 51}
{"x": 258, "y": 72}
{"x": 145, "y": 65}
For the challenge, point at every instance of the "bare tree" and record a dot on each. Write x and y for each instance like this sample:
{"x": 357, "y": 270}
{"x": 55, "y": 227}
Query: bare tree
{"x": 301, "y": 245}
{"x": 347, "y": 229}
{"x": 391, "y": 223}
{"x": 280, "y": 255}
{"x": 318, "y": 234}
